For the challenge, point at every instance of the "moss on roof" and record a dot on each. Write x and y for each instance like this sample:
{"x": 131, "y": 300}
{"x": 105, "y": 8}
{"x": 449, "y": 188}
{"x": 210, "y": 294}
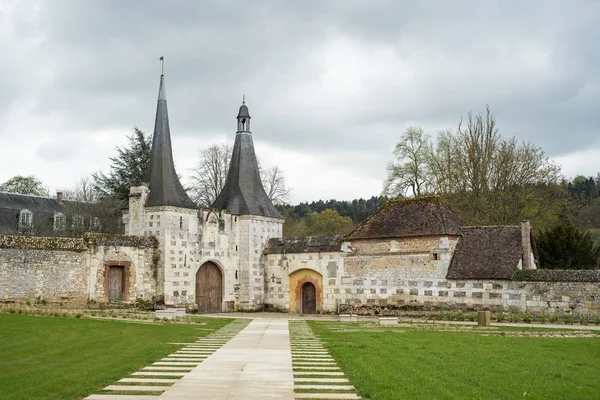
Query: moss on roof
{"x": 487, "y": 252}
{"x": 419, "y": 216}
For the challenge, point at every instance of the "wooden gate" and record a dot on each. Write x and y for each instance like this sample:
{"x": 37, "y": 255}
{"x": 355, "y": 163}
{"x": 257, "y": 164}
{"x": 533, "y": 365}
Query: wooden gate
{"x": 309, "y": 299}
{"x": 115, "y": 283}
{"x": 209, "y": 288}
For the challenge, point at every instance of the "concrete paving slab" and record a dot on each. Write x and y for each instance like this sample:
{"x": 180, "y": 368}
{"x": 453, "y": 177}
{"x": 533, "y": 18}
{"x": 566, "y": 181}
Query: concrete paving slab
{"x": 157, "y": 373}
{"x": 136, "y": 388}
{"x": 325, "y": 387}
{"x": 167, "y": 368}
{"x": 340, "y": 396}
{"x": 314, "y": 363}
{"x": 147, "y": 380}
{"x": 338, "y": 373}
{"x": 120, "y": 397}
{"x": 326, "y": 380}
{"x": 191, "y": 363}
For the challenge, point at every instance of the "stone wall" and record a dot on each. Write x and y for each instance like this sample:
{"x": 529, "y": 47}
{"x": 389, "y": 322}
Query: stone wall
{"x": 561, "y": 298}
{"x": 42, "y": 268}
{"x": 72, "y": 271}
{"x": 285, "y": 274}
{"x": 392, "y": 275}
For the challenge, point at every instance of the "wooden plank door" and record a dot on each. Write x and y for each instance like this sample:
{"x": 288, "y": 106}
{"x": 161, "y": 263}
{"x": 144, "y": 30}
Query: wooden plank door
{"x": 209, "y": 288}
{"x": 309, "y": 299}
{"x": 115, "y": 283}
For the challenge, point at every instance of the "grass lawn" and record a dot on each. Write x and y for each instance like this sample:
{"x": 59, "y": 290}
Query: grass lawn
{"x": 69, "y": 358}
{"x": 405, "y": 363}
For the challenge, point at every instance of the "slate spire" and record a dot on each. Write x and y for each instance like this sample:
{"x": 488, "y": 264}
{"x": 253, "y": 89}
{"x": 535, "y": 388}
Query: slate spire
{"x": 165, "y": 188}
{"x": 243, "y": 193}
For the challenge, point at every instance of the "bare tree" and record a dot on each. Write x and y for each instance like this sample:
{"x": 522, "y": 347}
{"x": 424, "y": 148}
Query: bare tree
{"x": 274, "y": 184}
{"x": 489, "y": 179}
{"x": 210, "y": 174}
{"x": 83, "y": 191}
{"x": 409, "y": 170}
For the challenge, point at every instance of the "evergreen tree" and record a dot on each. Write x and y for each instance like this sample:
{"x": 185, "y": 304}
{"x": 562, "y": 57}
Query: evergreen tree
{"x": 564, "y": 246}
{"x": 129, "y": 167}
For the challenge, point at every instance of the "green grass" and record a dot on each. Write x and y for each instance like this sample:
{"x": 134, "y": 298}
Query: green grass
{"x": 420, "y": 364}
{"x": 69, "y": 358}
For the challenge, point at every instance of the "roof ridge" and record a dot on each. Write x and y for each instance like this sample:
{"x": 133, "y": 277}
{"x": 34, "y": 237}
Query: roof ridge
{"x": 29, "y": 195}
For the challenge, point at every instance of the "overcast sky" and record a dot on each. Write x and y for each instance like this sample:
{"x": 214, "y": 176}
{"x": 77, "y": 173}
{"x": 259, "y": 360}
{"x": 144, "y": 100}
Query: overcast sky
{"x": 330, "y": 85}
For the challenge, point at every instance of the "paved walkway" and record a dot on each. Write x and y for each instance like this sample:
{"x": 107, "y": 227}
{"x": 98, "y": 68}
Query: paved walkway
{"x": 255, "y": 364}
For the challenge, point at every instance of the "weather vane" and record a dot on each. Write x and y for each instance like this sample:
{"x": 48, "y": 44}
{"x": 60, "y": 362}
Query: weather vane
{"x": 162, "y": 65}
{"x": 243, "y": 99}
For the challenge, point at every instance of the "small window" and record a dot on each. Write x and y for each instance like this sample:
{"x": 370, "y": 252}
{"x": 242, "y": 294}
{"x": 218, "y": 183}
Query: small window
{"x": 59, "y": 221}
{"x": 25, "y": 220}
{"x": 78, "y": 222}
{"x": 180, "y": 222}
{"x": 95, "y": 225}
{"x": 435, "y": 256}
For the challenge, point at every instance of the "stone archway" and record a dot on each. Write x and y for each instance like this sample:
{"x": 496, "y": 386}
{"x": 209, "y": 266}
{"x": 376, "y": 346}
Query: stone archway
{"x": 306, "y": 291}
{"x": 209, "y": 288}
{"x": 309, "y": 298}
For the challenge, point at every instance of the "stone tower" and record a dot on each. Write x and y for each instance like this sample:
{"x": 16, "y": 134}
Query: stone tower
{"x": 162, "y": 208}
{"x": 257, "y": 220}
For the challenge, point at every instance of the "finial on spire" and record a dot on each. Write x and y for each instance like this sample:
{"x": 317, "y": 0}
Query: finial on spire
{"x": 162, "y": 65}
{"x": 243, "y": 99}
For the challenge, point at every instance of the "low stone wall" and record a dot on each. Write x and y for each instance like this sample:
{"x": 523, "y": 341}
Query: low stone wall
{"x": 68, "y": 272}
{"x": 53, "y": 276}
{"x": 531, "y": 297}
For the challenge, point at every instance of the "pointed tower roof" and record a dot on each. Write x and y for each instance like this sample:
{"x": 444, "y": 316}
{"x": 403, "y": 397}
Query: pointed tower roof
{"x": 243, "y": 193}
{"x": 165, "y": 188}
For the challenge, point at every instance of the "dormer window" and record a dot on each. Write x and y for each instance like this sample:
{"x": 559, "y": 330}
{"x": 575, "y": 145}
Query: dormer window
{"x": 25, "y": 220}
{"x": 59, "y": 221}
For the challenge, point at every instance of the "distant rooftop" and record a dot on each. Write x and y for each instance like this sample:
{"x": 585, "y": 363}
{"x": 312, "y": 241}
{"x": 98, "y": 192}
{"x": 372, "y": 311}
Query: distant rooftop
{"x": 420, "y": 216}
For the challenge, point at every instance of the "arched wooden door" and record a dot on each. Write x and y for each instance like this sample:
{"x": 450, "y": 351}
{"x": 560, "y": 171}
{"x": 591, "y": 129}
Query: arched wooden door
{"x": 309, "y": 299}
{"x": 209, "y": 288}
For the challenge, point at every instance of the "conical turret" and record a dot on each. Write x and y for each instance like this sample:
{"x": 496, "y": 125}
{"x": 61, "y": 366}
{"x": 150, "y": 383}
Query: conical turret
{"x": 243, "y": 193}
{"x": 165, "y": 187}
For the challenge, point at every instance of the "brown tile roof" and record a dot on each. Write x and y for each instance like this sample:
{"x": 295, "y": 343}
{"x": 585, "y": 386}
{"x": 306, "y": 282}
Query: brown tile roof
{"x": 421, "y": 216}
{"x": 309, "y": 244}
{"x": 489, "y": 252}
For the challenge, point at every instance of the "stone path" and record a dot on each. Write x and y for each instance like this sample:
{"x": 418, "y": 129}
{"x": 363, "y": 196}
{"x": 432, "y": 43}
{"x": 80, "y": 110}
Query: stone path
{"x": 267, "y": 359}
{"x": 316, "y": 374}
{"x": 255, "y": 364}
{"x": 154, "y": 379}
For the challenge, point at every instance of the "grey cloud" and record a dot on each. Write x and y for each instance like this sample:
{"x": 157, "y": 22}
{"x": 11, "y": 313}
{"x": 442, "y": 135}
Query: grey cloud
{"x": 95, "y": 63}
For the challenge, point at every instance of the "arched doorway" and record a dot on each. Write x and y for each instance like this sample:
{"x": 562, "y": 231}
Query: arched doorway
{"x": 309, "y": 298}
{"x": 209, "y": 288}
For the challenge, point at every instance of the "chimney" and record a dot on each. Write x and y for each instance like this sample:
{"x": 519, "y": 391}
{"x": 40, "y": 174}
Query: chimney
{"x": 59, "y": 196}
{"x": 526, "y": 240}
